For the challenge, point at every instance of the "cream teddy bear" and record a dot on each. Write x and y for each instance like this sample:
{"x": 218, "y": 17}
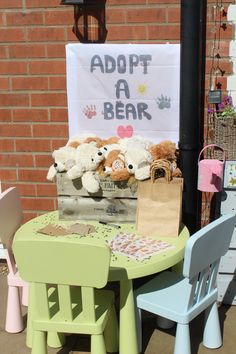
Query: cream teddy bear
{"x": 88, "y": 157}
{"x": 138, "y": 162}
{"x": 64, "y": 160}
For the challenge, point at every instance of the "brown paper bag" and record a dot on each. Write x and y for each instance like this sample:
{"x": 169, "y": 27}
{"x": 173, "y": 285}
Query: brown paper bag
{"x": 159, "y": 202}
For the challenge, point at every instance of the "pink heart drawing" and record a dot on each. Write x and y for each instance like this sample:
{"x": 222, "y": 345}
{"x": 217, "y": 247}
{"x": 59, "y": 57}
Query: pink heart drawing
{"x": 125, "y": 131}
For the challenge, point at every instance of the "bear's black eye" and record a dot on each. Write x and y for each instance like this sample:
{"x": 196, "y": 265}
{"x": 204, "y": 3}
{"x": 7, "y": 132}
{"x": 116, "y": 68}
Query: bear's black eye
{"x": 55, "y": 164}
{"x": 130, "y": 167}
{"x": 105, "y": 148}
{"x": 99, "y": 153}
{"x": 92, "y": 160}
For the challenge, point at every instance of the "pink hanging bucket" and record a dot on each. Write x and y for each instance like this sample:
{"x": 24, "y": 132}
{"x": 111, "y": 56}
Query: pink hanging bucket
{"x": 210, "y": 172}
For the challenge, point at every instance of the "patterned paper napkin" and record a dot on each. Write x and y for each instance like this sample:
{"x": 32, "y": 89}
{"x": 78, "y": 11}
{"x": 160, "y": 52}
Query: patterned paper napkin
{"x": 137, "y": 247}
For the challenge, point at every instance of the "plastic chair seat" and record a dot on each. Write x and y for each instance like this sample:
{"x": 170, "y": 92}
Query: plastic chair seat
{"x": 170, "y": 298}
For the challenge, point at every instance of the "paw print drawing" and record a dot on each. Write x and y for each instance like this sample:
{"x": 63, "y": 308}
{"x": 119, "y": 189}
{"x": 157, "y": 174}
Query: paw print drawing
{"x": 90, "y": 111}
{"x": 163, "y": 102}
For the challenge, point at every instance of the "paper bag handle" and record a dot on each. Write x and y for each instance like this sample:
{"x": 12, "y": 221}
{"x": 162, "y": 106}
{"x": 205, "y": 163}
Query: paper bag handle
{"x": 161, "y": 164}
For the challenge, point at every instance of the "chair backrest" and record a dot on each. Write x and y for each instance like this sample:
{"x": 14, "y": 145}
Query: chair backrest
{"x": 202, "y": 255}
{"x": 10, "y": 214}
{"x": 64, "y": 263}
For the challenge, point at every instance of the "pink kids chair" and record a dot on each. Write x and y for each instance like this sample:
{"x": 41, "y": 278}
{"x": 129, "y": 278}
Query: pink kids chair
{"x": 10, "y": 221}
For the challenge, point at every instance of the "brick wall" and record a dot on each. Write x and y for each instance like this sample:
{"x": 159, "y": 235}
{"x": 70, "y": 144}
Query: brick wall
{"x": 33, "y": 103}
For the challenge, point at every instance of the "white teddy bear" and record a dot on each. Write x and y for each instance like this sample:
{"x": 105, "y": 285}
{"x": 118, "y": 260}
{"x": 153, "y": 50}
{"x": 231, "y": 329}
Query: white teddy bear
{"x": 135, "y": 142}
{"x": 88, "y": 157}
{"x": 138, "y": 162}
{"x": 64, "y": 160}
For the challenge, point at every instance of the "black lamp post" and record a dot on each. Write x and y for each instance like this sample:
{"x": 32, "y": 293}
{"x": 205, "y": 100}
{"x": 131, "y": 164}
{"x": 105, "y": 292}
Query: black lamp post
{"x": 84, "y": 12}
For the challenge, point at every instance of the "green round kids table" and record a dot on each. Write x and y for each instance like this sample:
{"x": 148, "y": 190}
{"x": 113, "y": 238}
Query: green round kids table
{"x": 122, "y": 268}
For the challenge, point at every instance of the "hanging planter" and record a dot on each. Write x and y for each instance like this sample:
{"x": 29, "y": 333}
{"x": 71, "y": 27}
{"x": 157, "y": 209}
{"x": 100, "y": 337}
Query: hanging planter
{"x": 223, "y": 127}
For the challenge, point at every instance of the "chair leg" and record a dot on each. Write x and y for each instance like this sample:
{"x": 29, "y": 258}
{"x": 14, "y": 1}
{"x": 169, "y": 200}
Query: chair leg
{"x": 164, "y": 323}
{"x": 39, "y": 343}
{"x": 111, "y": 332}
{"x": 182, "y": 340}
{"x": 138, "y": 318}
{"x": 56, "y": 340}
{"x": 212, "y": 333}
{"x": 14, "y": 320}
{"x": 97, "y": 344}
{"x": 25, "y": 293}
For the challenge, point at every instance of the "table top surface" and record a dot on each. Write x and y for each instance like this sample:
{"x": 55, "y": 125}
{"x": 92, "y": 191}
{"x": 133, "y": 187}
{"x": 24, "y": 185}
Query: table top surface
{"x": 122, "y": 267}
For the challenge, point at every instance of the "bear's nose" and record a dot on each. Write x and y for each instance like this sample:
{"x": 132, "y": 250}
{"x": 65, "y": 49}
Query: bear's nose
{"x": 55, "y": 164}
{"x": 130, "y": 167}
{"x": 99, "y": 153}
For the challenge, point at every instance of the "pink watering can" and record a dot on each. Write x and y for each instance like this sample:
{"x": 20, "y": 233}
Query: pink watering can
{"x": 210, "y": 172}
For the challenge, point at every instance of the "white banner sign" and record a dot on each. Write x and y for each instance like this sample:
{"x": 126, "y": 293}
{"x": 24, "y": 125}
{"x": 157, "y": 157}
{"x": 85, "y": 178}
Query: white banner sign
{"x": 124, "y": 90}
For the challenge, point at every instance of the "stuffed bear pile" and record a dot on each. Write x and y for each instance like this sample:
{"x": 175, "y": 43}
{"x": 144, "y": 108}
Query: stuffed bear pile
{"x": 123, "y": 159}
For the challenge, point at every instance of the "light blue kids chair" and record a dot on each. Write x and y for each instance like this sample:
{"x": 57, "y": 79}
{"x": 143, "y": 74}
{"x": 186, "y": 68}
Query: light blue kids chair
{"x": 182, "y": 298}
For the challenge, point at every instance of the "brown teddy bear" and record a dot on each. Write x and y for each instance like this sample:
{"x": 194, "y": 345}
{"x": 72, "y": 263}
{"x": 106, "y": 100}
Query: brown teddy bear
{"x": 166, "y": 149}
{"x": 114, "y": 166}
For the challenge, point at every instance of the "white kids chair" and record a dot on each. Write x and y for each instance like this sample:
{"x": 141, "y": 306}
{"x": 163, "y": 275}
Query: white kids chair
{"x": 182, "y": 298}
{"x": 10, "y": 220}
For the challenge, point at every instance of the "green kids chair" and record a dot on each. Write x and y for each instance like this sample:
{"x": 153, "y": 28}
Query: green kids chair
{"x": 182, "y": 298}
{"x": 63, "y": 275}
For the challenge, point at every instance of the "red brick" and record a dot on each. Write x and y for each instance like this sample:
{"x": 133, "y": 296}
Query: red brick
{"x": 8, "y": 175}
{"x": 27, "y": 50}
{"x": 37, "y": 203}
{"x": 173, "y": 14}
{"x": 59, "y": 115}
{"x": 47, "y": 67}
{"x": 42, "y": 3}
{"x": 163, "y": 1}
{"x": 13, "y": 99}
{"x": 13, "y": 67}
{"x": 32, "y": 175}
{"x": 16, "y": 160}
{"x": 42, "y": 34}
{"x": 46, "y": 190}
{"x": 65, "y": 17}
{"x": 43, "y": 160}
{"x": 127, "y": 2}
{"x": 6, "y": 4}
{"x": 30, "y": 83}
{"x": 50, "y": 130}
{"x": 26, "y": 189}
{"x": 126, "y": 33}
{"x": 146, "y": 15}
{"x": 57, "y": 83}
{"x": 12, "y": 35}
{"x": 115, "y": 15}
{"x": 6, "y": 145}
{"x": 56, "y": 144}
{"x": 223, "y": 65}
{"x": 24, "y": 18}
{"x": 212, "y": 30}
{"x": 49, "y": 99}
{"x": 3, "y": 52}
{"x": 4, "y": 83}
{"x": 33, "y": 145}
{"x": 5, "y": 115}
{"x": 56, "y": 50}
{"x": 15, "y": 130}
{"x": 30, "y": 115}
{"x": 163, "y": 32}
{"x": 28, "y": 216}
